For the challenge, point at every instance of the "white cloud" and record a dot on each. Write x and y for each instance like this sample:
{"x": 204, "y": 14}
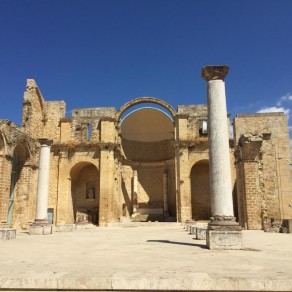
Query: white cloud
{"x": 274, "y": 109}
{"x": 286, "y": 97}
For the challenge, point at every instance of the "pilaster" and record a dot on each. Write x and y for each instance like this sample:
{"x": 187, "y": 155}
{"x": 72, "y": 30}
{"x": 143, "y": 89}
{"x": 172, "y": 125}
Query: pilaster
{"x": 107, "y": 170}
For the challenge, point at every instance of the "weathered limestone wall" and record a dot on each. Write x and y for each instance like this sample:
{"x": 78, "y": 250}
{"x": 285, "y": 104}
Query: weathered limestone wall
{"x": 53, "y": 183}
{"x": 200, "y": 191}
{"x": 66, "y": 165}
{"x": 17, "y": 149}
{"x": 5, "y": 179}
{"x": 86, "y": 123}
{"x": 263, "y": 168}
{"x": 33, "y": 110}
{"x": 41, "y": 118}
{"x": 65, "y": 130}
{"x": 85, "y": 191}
{"x": 54, "y": 112}
{"x": 126, "y": 189}
{"x": 195, "y": 114}
{"x": 90, "y": 139}
{"x": 107, "y": 175}
{"x": 150, "y": 187}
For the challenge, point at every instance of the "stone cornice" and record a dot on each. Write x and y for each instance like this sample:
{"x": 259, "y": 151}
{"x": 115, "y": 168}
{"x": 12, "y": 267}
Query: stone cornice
{"x": 73, "y": 145}
{"x": 182, "y": 116}
{"x": 107, "y": 119}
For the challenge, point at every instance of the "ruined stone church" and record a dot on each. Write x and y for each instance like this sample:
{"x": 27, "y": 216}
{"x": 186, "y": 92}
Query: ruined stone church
{"x": 145, "y": 161}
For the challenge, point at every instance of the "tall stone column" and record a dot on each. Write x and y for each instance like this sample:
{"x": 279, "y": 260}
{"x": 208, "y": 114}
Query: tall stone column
{"x": 135, "y": 192}
{"x": 223, "y": 230}
{"x": 41, "y": 225}
{"x": 165, "y": 193}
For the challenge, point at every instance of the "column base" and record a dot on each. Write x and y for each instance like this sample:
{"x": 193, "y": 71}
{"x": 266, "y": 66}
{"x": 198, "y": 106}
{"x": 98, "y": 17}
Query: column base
{"x": 40, "y": 227}
{"x": 224, "y": 240}
{"x": 201, "y": 233}
{"x": 4, "y": 225}
{"x": 7, "y": 233}
{"x": 224, "y": 233}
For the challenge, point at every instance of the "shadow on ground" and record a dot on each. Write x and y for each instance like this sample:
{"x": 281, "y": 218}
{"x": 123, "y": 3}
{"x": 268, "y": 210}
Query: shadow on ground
{"x": 180, "y": 243}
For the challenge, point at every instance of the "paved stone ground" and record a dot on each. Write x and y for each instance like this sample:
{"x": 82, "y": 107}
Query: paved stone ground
{"x": 144, "y": 258}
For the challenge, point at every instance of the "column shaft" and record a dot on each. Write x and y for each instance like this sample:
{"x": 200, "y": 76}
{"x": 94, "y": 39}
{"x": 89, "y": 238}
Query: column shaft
{"x": 40, "y": 225}
{"x": 43, "y": 183}
{"x": 220, "y": 174}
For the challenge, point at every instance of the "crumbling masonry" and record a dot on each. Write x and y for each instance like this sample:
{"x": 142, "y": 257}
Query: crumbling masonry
{"x": 151, "y": 163}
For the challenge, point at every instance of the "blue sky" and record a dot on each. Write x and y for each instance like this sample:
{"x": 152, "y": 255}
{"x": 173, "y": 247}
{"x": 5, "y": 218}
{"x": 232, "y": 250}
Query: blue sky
{"x": 104, "y": 53}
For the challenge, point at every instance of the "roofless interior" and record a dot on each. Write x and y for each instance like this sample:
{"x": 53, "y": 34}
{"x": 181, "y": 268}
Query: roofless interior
{"x": 146, "y": 134}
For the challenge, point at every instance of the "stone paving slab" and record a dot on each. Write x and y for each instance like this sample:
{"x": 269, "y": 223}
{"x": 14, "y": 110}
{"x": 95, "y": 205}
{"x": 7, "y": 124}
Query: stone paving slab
{"x": 144, "y": 258}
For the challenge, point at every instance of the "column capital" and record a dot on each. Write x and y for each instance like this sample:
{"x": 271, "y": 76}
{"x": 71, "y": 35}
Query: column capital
{"x": 215, "y": 72}
{"x": 44, "y": 141}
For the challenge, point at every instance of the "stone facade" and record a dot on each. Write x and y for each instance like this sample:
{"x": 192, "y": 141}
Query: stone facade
{"x": 147, "y": 164}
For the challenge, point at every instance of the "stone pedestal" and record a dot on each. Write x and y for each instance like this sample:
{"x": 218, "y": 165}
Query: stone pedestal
{"x": 40, "y": 229}
{"x": 224, "y": 239}
{"x": 7, "y": 233}
{"x": 201, "y": 233}
{"x": 193, "y": 230}
{"x": 222, "y": 219}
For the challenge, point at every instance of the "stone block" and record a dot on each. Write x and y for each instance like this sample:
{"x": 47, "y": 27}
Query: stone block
{"x": 224, "y": 239}
{"x": 7, "y": 233}
{"x": 289, "y": 226}
{"x": 189, "y": 228}
{"x": 193, "y": 230}
{"x": 84, "y": 226}
{"x": 40, "y": 230}
{"x": 201, "y": 233}
{"x": 65, "y": 228}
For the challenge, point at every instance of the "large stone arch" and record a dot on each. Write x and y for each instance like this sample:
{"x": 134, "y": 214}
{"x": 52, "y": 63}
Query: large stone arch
{"x": 148, "y": 179}
{"x": 141, "y": 100}
{"x": 200, "y": 190}
{"x": 85, "y": 192}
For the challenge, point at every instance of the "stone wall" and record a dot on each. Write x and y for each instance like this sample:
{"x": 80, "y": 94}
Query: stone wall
{"x": 86, "y": 123}
{"x": 200, "y": 191}
{"x": 33, "y": 110}
{"x": 54, "y": 112}
{"x": 90, "y": 139}
{"x": 196, "y": 114}
{"x": 41, "y": 118}
{"x": 18, "y": 180}
{"x": 85, "y": 192}
{"x": 263, "y": 168}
